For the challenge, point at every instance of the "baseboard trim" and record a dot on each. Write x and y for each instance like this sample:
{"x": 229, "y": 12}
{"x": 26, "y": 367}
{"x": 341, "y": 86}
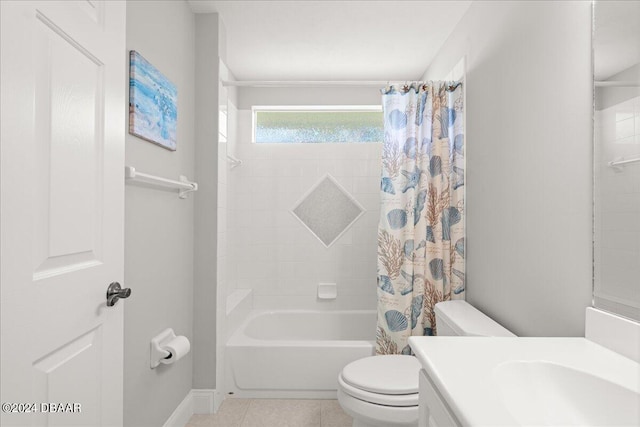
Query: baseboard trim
{"x": 218, "y": 398}
{"x": 182, "y": 414}
{"x": 203, "y": 401}
{"x": 197, "y": 401}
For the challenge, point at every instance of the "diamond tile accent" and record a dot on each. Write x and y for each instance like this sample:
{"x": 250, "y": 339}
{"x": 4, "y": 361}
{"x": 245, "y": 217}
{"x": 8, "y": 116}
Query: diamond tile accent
{"x": 328, "y": 210}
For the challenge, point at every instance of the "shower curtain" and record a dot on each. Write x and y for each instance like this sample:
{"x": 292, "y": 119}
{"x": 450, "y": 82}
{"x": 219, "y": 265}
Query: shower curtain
{"x": 421, "y": 230}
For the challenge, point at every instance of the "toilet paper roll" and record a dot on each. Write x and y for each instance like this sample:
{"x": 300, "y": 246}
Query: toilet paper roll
{"x": 177, "y": 348}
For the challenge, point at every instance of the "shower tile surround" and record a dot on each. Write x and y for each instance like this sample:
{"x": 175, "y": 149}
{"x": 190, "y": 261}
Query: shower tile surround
{"x": 617, "y": 230}
{"x": 271, "y": 252}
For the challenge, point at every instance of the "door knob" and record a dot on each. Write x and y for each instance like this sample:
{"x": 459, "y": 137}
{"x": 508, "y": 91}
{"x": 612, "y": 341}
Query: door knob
{"x": 115, "y": 292}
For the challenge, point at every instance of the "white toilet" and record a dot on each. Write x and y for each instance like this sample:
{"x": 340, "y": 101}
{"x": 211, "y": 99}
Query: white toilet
{"x": 382, "y": 391}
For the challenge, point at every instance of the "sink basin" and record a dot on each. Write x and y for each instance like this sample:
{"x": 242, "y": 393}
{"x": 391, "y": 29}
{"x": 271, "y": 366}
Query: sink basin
{"x": 527, "y": 381}
{"x": 544, "y": 393}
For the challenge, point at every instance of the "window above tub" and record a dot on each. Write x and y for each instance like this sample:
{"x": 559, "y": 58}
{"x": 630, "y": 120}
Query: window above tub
{"x": 318, "y": 124}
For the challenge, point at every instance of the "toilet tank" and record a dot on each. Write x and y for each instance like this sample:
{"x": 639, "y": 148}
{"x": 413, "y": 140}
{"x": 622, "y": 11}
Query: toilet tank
{"x": 461, "y": 318}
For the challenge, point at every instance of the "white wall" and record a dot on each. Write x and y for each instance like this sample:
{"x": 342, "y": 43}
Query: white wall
{"x": 206, "y": 200}
{"x": 247, "y": 97}
{"x": 158, "y": 225}
{"x": 269, "y": 250}
{"x": 529, "y": 162}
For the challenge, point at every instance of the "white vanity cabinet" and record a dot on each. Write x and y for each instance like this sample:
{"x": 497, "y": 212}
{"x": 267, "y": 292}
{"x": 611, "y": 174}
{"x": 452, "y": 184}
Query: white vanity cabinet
{"x": 434, "y": 411}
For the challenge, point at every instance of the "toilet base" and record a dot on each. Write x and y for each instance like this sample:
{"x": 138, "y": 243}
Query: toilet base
{"x": 366, "y": 414}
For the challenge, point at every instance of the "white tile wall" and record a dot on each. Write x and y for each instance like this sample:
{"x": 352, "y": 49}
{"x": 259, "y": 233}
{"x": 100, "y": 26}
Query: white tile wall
{"x": 617, "y": 267}
{"x": 270, "y": 252}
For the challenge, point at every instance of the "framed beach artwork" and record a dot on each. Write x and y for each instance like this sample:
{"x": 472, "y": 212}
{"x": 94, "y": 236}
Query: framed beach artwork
{"x": 153, "y": 109}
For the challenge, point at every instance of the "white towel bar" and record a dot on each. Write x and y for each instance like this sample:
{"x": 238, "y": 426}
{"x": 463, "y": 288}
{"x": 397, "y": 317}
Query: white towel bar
{"x": 184, "y": 185}
{"x": 617, "y": 164}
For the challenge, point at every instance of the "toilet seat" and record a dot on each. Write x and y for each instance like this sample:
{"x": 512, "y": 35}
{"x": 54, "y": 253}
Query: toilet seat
{"x": 399, "y": 400}
{"x": 390, "y": 380}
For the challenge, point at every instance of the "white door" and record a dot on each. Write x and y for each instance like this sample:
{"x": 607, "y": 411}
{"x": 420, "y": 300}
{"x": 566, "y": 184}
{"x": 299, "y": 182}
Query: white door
{"x": 63, "y": 106}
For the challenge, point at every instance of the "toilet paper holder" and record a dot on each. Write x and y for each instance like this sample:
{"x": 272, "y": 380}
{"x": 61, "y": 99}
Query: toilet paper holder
{"x": 158, "y": 352}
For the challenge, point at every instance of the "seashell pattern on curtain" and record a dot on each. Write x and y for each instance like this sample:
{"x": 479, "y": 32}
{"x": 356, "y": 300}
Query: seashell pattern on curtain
{"x": 421, "y": 231}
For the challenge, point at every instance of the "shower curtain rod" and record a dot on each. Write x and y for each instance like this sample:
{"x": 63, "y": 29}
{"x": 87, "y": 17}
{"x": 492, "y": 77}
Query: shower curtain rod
{"x": 316, "y": 83}
{"x": 304, "y": 83}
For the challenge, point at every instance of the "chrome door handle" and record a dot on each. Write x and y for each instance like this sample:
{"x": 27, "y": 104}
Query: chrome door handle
{"x": 115, "y": 292}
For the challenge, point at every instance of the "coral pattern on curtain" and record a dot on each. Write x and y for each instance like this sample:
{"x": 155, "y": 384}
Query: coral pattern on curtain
{"x": 421, "y": 231}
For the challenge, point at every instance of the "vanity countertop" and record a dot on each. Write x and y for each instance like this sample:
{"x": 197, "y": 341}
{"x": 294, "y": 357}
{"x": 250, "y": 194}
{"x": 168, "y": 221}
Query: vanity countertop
{"x": 498, "y": 380}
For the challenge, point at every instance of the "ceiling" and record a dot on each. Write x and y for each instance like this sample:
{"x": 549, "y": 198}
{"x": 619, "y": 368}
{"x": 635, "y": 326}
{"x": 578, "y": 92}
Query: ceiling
{"x": 616, "y": 43}
{"x": 333, "y": 40}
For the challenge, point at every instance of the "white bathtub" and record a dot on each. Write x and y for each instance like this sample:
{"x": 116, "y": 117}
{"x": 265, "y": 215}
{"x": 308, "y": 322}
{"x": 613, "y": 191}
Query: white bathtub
{"x": 296, "y": 353}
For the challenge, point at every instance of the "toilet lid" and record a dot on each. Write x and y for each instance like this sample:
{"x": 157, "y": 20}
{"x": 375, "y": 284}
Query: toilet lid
{"x": 393, "y": 400}
{"x": 389, "y": 374}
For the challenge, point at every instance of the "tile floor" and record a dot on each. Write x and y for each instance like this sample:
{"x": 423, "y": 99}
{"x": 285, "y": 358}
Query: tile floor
{"x": 274, "y": 413}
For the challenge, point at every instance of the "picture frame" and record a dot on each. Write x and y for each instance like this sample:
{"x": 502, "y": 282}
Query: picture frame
{"x": 153, "y": 103}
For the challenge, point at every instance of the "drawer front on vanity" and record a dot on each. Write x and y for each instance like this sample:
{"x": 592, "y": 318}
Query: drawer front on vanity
{"x": 434, "y": 412}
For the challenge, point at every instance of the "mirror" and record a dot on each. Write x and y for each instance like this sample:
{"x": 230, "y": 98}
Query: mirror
{"x": 616, "y": 69}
